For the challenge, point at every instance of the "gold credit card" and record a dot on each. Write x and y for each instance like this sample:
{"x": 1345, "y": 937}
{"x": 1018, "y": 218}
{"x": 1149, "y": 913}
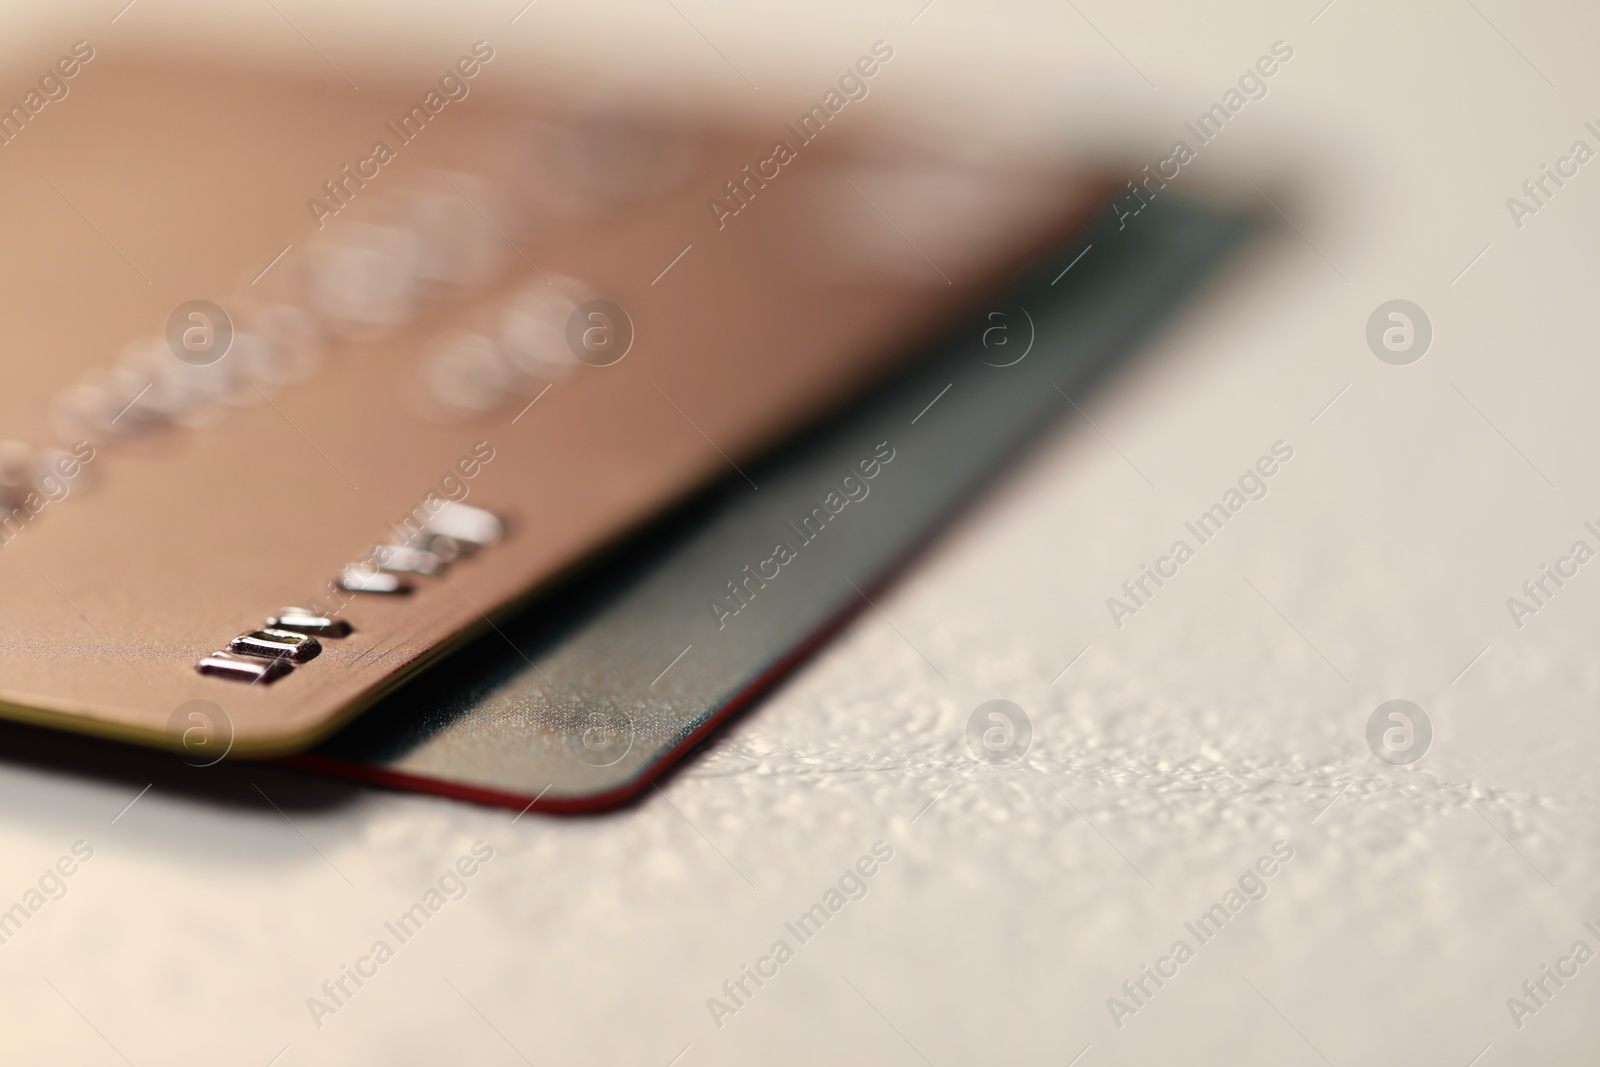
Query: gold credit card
{"x": 304, "y": 384}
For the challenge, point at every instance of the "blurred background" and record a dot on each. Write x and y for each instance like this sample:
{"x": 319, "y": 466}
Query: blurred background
{"x": 1226, "y": 721}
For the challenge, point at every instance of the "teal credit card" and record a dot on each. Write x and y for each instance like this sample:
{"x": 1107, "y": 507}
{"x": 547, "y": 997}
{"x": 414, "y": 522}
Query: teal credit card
{"x": 581, "y": 700}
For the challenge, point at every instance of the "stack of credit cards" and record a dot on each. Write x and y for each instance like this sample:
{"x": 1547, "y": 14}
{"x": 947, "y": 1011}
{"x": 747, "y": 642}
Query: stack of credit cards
{"x": 494, "y": 446}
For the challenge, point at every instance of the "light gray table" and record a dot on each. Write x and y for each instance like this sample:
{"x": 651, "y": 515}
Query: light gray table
{"x": 1228, "y": 714}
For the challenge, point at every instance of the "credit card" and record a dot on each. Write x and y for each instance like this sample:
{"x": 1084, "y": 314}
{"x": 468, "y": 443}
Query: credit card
{"x": 581, "y": 703}
{"x": 307, "y": 385}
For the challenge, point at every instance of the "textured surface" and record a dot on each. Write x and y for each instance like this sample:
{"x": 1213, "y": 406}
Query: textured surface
{"x": 1226, "y": 715}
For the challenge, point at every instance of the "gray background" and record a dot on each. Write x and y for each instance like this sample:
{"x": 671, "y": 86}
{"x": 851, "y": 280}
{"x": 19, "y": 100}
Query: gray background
{"x": 1228, "y": 714}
